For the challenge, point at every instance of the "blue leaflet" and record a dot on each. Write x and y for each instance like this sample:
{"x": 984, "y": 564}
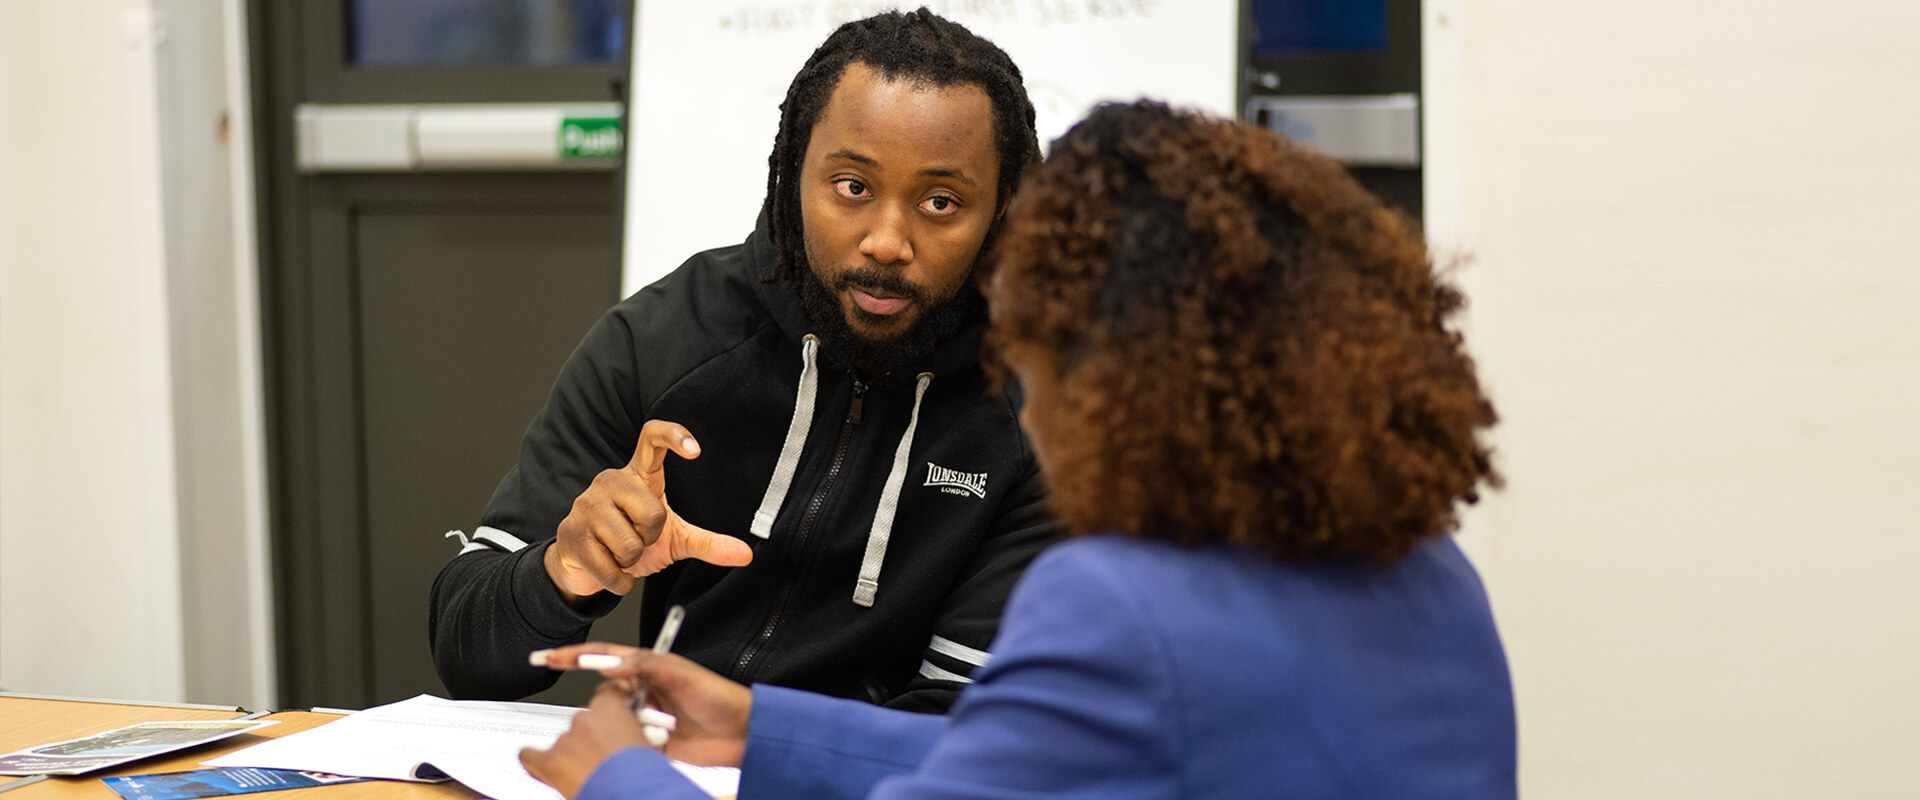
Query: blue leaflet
{"x": 216, "y": 783}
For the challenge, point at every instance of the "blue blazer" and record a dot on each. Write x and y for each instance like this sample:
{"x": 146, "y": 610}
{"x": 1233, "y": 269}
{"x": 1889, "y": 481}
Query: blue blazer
{"x": 1129, "y": 668}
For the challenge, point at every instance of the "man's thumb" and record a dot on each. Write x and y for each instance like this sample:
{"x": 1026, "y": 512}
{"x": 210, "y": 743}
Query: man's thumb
{"x": 714, "y": 548}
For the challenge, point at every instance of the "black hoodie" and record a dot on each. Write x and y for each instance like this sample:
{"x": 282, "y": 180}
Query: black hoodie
{"x": 723, "y": 352}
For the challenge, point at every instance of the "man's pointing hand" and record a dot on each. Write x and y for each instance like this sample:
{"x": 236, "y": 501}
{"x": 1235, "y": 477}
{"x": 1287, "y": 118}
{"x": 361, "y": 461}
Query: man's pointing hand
{"x": 622, "y": 528}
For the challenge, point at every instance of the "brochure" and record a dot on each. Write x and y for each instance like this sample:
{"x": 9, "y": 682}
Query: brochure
{"x": 121, "y": 745}
{"x": 201, "y": 783}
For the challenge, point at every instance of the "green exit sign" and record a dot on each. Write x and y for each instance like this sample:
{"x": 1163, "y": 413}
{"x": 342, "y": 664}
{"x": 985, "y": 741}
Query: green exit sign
{"x": 589, "y": 137}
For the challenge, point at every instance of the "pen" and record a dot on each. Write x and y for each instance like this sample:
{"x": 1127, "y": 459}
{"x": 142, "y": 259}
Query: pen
{"x": 656, "y": 734}
{"x": 661, "y": 644}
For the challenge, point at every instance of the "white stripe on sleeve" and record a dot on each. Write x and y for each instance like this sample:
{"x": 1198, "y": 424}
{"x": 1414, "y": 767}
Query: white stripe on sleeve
{"x": 930, "y": 670}
{"x": 955, "y": 650}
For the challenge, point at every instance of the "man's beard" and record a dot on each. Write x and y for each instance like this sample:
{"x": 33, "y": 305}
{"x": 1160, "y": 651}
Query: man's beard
{"x": 868, "y": 357}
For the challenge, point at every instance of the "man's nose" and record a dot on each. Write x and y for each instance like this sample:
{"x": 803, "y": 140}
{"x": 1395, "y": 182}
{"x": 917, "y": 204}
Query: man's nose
{"x": 890, "y": 239}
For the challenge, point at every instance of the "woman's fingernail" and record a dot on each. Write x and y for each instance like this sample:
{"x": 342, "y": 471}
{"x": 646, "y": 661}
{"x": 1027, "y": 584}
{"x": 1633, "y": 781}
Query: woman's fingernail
{"x": 597, "y": 661}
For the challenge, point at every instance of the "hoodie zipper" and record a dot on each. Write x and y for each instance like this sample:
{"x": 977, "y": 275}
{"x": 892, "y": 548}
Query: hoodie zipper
{"x": 807, "y": 524}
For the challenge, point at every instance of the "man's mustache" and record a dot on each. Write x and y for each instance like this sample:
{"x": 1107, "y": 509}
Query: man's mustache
{"x": 874, "y": 278}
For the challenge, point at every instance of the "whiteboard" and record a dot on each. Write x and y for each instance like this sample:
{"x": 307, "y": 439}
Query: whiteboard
{"x": 708, "y": 78}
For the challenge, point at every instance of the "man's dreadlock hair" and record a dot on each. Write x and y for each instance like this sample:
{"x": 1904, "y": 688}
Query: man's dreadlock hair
{"x": 920, "y": 47}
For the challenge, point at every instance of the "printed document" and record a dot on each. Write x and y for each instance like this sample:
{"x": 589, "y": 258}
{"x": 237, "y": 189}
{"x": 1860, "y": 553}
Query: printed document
{"x": 426, "y": 738}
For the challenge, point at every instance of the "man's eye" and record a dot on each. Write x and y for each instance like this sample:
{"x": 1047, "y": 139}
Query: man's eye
{"x": 850, "y": 188}
{"x": 940, "y": 205}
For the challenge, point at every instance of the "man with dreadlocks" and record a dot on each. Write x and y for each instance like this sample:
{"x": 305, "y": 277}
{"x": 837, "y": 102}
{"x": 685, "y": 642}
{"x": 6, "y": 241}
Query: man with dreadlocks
{"x": 848, "y": 502}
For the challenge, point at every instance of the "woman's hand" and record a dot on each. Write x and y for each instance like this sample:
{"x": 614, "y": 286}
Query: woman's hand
{"x": 712, "y": 711}
{"x": 606, "y": 727}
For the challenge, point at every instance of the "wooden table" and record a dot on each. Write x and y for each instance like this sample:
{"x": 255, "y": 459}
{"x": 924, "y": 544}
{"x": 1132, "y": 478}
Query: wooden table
{"x": 29, "y": 721}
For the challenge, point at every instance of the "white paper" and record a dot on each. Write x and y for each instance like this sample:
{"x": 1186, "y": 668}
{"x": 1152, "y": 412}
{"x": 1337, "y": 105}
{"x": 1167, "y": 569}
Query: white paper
{"x": 474, "y": 742}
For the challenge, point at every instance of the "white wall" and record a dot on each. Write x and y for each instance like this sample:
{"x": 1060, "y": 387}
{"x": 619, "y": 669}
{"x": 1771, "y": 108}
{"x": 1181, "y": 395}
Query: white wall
{"x": 129, "y": 490}
{"x": 1693, "y": 280}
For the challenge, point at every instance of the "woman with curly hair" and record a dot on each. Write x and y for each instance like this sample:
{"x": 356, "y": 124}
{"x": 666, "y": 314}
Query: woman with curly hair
{"x": 1243, "y": 395}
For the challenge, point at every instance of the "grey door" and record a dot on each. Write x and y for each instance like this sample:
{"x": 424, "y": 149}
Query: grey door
{"x": 414, "y": 317}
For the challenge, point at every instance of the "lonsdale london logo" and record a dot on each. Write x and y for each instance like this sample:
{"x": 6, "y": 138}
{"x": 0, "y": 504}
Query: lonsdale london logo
{"x": 953, "y": 481}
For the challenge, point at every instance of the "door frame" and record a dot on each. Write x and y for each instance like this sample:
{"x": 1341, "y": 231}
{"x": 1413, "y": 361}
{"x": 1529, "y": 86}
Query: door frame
{"x": 297, "y": 52}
